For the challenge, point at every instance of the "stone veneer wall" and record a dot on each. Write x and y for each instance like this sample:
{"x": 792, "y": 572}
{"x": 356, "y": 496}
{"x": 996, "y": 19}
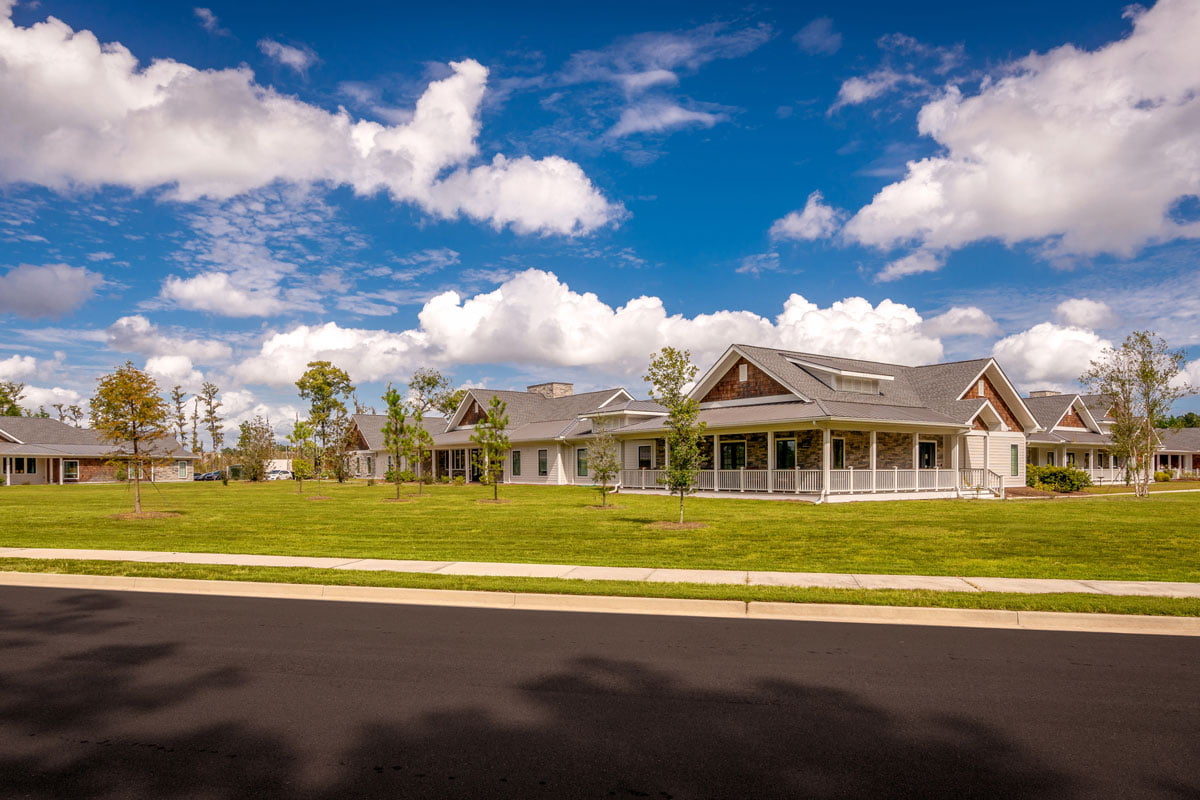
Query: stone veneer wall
{"x": 893, "y": 450}
{"x": 858, "y": 448}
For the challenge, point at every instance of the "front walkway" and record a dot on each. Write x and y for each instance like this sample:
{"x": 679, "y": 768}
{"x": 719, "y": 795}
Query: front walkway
{"x": 735, "y": 577}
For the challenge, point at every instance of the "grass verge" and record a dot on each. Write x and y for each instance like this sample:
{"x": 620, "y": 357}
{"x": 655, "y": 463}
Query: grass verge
{"x": 1091, "y": 603}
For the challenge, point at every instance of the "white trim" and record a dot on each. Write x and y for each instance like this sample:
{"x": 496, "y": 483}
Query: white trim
{"x": 1030, "y": 422}
{"x": 616, "y": 394}
{"x": 749, "y": 401}
{"x": 718, "y": 371}
{"x": 846, "y": 372}
{"x": 10, "y": 436}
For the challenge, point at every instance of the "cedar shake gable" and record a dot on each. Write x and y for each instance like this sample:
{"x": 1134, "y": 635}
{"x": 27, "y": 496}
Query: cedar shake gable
{"x": 985, "y": 389}
{"x": 757, "y": 384}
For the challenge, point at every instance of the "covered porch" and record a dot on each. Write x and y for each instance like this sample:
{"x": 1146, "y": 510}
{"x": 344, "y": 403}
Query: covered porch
{"x": 1100, "y": 465}
{"x": 831, "y": 463}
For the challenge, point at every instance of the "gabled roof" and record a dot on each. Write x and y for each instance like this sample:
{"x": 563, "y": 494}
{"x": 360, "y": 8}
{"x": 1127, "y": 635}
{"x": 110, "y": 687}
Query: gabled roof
{"x": 39, "y": 436}
{"x": 1098, "y": 405}
{"x": 1050, "y": 409}
{"x": 371, "y": 428}
{"x": 527, "y": 407}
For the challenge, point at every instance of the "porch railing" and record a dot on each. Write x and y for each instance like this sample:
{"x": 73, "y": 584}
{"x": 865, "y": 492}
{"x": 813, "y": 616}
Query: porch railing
{"x": 809, "y": 481}
{"x": 981, "y": 480}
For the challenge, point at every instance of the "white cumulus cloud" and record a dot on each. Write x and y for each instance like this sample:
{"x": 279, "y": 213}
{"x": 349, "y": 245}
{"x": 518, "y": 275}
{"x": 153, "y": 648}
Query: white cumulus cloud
{"x": 818, "y": 38}
{"x": 82, "y": 113}
{"x": 1049, "y": 355}
{"x": 1083, "y": 152}
{"x": 295, "y": 58}
{"x": 15, "y": 368}
{"x": 216, "y": 293}
{"x": 534, "y": 319}
{"x": 961, "y": 321}
{"x": 1085, "y": 313}
{"x": 659, "y": 116}
{"x": 816, "y": 221}
{"x": 136, "y": 334}
{"x": 912, "y": 264}
{"x": 50, "y": 290}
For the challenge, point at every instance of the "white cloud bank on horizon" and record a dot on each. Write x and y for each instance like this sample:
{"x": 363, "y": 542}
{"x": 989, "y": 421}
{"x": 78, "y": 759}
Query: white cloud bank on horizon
{"x": 534, "y": 319}
{"x": 81, "y": 113}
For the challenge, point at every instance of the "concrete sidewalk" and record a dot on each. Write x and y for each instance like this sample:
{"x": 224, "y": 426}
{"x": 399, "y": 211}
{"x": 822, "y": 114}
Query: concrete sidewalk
{"x": 648, "y": 574}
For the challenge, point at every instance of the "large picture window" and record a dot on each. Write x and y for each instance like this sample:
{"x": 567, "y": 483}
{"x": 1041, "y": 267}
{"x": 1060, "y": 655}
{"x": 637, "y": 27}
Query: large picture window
{"x": 70, "y": 470}
{"x": 733, "y": 455}
{"x": 542, "y": 466}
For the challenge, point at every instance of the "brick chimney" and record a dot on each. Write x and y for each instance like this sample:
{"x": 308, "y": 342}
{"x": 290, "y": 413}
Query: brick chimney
{"x": 552, "y": 390}
{"x": 1044, "y": 393}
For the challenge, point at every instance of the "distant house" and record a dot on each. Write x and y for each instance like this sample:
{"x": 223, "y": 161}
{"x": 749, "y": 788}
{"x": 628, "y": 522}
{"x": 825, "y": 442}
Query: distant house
{"x": 369, "y": 456}
{"x": 35, "y": 450}
{"x": 779, "y": 422}
{"x": 1075, "y": 433}
{"x": 1180, "y": 451}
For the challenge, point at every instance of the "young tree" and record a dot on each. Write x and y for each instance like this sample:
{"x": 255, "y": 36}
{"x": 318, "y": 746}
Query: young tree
{"x": 1140, "y": 381}
{"x": 451, "y": 402}
{"x": 197, "y": 446}
{"x": 256, "y": 446}
{"x": 326, "y": 388}
{"x": 11, "y": 394}
{"x": 212, "y": 416}
{"x": 396, "y": 437}
{"x": 179, "y": 417}
{"x": 128, "y": 412}
{"x": 69, "y": 413}
{"x": 604, "y": 460}
{"x": 669, "y": 374}
{"x": 492, "y": 440}
{"x": 421, "y": 442}
{"x": 428, "y": 389}
{"x": 303, "y": 461}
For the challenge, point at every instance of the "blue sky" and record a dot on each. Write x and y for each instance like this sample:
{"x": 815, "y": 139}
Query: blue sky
{"x": 519, "y": 194}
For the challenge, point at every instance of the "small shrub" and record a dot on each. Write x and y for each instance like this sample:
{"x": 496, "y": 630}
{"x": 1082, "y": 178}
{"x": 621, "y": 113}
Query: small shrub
{"x": 443, "y": 479}
{"x": 1057, "y": 479}
{"x": 1162, "y": 476}
{"x": 459, "y": 480}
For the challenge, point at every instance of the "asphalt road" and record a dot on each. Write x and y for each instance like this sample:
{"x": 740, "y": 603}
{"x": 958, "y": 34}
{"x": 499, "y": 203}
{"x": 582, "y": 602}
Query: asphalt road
{"x": 110, "y": 694}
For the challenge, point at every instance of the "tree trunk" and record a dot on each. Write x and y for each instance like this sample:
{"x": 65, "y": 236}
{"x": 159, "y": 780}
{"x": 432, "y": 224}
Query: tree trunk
{"x": 495, "y": 490}
{"x": 603, "y": 495}
{"x": 681, "y": 506}
{"x": 137, "y": 485}
{"x": 396, "y": 475}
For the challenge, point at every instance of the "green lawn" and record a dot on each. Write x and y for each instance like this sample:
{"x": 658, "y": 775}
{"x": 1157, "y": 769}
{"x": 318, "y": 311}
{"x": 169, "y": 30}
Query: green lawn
{"x": 1086, "y": 603}
{"x": 1106, "y": 537}
{"x": 1166, "y": 486}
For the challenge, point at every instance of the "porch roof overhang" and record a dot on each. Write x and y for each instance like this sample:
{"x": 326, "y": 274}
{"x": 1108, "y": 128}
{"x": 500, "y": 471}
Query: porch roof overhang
{"x": 34, "y": 450}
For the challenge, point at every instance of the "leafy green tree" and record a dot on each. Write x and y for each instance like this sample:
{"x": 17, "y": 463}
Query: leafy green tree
{"x": 327, "y": 388}
{"x": 256, "y": 446}
{"x": 491, "y": 437}
{"x": 669, "y": 373}
{"x": 11, "y": 394}
{"x": 451, "y": 402}
{"x": 304, "y": 457}
{"x": 1140, "y": 381}
{"x": 1189, "y": 419}
{"x": 396, "y": 436}
{"x": 197, "y": 445}
{"x": 604, "y": 461}
{"x": 428, "y": 389}
{"x": 128, "y": 412}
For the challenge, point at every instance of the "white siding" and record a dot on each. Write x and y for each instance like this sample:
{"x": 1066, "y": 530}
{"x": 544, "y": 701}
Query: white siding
{"x": 529, "y": 464}
{"x": 972, "y": 455}
{"x": 1000, "y": 456}
{"x": 630, "y": 456}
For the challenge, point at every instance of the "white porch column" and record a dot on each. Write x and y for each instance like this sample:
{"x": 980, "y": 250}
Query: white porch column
{"x": 873, "y": 459}
{"x": 770, "y": 461}
{"x": 60, "y": 472}
{"x": 916, "y": 455}
{"x": 954, "y": 441}
{"x": 8, "y": 472}
{"x": 826, "y": 452}
{"x": 716, "y": 457}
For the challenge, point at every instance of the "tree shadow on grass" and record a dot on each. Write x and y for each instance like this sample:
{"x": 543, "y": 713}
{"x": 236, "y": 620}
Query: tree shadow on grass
{"x": 591, "y": 727}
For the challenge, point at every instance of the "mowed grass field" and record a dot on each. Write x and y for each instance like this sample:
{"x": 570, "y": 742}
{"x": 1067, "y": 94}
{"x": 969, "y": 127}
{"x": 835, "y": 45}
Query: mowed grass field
{"x": 1117, "y": 537}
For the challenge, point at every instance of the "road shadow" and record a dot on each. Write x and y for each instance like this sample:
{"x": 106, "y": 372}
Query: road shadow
{"x": 590, "y": 727}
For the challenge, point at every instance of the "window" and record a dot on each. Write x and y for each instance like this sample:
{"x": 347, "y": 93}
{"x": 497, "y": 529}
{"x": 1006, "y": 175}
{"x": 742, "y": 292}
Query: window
{"x": 1102, "y": 460}
{"x": 785, "y": 454}
{"x": 839, "y": 454}
{"x": 1070, "y": 459}
{"x": 980, "y": 388}
{"x": 181, "y": 467}
{"x": 516, "y": 462}
{"x": 70, "y": 470}
{"x": 733, "y": 455}
{"x": 743, "y": 372}
{"x": 1050, "y": 459}
{"x": 542, "y": 471}
{"x": 860, "y": 385}
{"x": 31, "y": 466}
{"x": 644, "y": 458}
{"x": 18, "y": 466}
{"x": 458, "y": 459}
{"x": 927, "y": 455}
{"x": 581, "y": 462}
{"x": 1014, "y": 459}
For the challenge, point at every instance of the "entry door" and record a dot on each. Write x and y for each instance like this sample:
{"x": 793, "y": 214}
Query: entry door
{"x": 733, "y": 455}
{"x": 927, "y": 455}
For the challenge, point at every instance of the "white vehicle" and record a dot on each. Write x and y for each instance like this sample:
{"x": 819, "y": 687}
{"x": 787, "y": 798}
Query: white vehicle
{"x": 279, "y": 475}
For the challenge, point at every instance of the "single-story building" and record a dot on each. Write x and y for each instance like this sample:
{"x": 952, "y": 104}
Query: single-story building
{"x": 1180, "y": 452}
{"x": 780, "y": 422}
{"x": 37, "y": 450}
{"x": 369, "y": 456}
{"x": 1074, "y": 433}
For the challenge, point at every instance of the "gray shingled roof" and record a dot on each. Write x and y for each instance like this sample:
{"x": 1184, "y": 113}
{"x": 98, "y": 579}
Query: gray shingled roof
{"x": 1049, "y": 410}
{"x": 1185, "y": 440}
{"x": 38, "y": 436}
{"x": 371, "y": 427}
{"x": 630, "y": 405}
{"x": 527, "y": 407}
{"x": 1097, "y": 405}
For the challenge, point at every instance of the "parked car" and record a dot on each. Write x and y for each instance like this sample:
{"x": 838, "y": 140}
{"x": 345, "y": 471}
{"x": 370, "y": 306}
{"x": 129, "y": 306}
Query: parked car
{"x": 210, "y": 476}
{"x": 279, "y": 475}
